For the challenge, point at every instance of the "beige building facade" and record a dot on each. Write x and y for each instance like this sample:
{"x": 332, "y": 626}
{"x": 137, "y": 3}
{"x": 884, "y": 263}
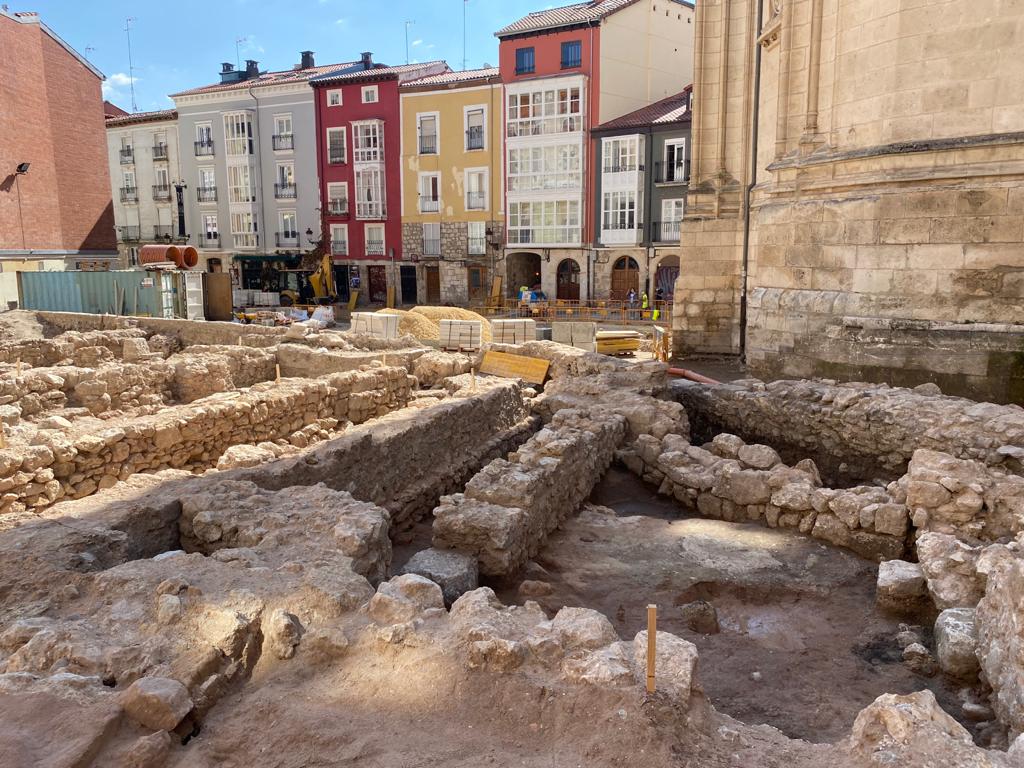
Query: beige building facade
{"x": 881, "y": 147}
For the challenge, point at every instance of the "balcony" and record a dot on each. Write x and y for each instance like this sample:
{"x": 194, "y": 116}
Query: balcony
{"x": 204, "y": 147}
{"x": 665, "y": 232}
{"x": 374, "y": 247}
{"x": 339, "y": 249}
{"x": 210, "y": 240}
{"x": 475, "y": 138}
{"x": 127, "y": 156}
{"x": 370, "y": 210}
{"x": 476, "y": 201}
{"x": 284, "y": 191}
{"x": 206, "y": 194}
{"x": 287, "y": 239}
{"x": 335, "y": 155}
{"x": 429, "y": 204}
{"x": 337, "y": 207}
{"x": 615, "y": 235}
{"x": 672, "y": 173}
{"x": 431, "y": 246}
{"x": 428, "y": 145}
{"x": 161, "y": 191}
{"x": 477, "y": 246}
{"x": 129, "y": 234}
{"x": 163, "y": 232}
{"x": 159, "y": 151}
{"x": 129, "y": 194}
{"x": 283, "y": 141}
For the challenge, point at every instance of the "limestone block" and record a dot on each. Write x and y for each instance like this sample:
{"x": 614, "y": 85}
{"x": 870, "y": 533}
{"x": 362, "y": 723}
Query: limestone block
{"x": 404, "y": 598}
{"x": 455, "y": 572}
{"x": 901, "y": 585}
{"x": 956, "y": 642}
{"x": 675, "y": 664}
{"x": 584, "y": 628}
{"x": 157, "y": 702}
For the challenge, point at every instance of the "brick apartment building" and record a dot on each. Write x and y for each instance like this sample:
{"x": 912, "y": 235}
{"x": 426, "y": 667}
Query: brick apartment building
{"x": 57, "y": 215}
{"x": 358, "y": 135}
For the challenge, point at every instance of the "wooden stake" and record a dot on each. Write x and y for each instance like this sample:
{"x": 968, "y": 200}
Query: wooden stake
{"x": 3, "y": 438}
{"x": 239, "y": 341}
{"x": 652, "y": 635}
{"x": 19, "y": 366}
{"x": 472, "y": 373}
{"x": 277, "y": 370}
{"x": 385, "y": 359}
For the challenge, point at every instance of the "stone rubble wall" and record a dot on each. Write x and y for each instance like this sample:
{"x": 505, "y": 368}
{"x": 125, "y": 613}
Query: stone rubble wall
{"x": 511, "y": 506}
{"x": 872, "y": 429}
{"x": 728, "y": 479}
{"x": 191, "y": 437}
{"x": 301, "y": 360}
{"x": 61, "y": 349}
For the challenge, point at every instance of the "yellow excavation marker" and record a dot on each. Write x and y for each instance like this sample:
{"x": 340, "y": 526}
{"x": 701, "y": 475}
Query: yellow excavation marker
{"x": 652, "y": 635}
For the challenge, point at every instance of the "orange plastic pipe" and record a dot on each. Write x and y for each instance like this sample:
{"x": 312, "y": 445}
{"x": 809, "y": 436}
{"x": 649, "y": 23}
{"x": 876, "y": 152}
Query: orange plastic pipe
{"x": 692, "y": 376}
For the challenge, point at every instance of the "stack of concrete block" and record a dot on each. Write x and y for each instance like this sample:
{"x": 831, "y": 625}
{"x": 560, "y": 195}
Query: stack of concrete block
{"x": 379, "y": 325}
{"x": 576, "y": 334}
{"x": 513, "y": 331}
{"x": 461, "y": 335}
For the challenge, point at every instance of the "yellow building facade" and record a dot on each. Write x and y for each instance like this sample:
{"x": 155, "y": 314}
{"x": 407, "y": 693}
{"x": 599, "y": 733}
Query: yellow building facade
{"x": 452, "y": 183}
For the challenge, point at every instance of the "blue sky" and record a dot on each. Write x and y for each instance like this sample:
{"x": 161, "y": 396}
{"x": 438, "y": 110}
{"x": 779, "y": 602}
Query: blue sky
{"x": 178, "y": 44}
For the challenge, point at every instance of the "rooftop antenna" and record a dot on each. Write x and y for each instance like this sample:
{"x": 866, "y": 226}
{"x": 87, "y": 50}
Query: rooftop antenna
{"x": 407, "y": 25}
{"x": 238, "y": 40}
{"x": 131, "y": 69}
{"x": 87, "y": 49}
{"x": 464, "y": 4}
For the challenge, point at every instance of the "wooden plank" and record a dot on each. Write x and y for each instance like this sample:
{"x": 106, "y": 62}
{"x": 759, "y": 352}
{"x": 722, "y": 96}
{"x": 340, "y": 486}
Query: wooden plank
{"x": 352, "y": 299}
{"x": 531, "y": 369}
{"x": 652, "y": 645}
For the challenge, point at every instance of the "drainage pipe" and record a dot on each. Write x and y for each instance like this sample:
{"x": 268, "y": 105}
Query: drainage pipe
{"x": 744, "y": 272}
{"x": 685, "y": 373}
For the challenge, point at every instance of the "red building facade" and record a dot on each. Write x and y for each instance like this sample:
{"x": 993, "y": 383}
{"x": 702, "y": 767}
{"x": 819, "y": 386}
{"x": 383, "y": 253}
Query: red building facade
{"x": 359, "y": 166}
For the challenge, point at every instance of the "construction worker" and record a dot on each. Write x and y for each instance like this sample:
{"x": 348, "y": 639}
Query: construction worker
{"x": 645, "y": 304}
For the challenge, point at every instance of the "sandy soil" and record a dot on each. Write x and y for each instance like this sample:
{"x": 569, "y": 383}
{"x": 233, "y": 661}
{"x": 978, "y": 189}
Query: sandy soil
{"x": 799, "y": 614}
{"x": 21, "y": 326}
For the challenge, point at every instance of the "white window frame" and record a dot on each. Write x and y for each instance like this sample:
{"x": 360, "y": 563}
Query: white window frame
{"x": 209, "y": 218}
{"x": 128, "y": 179}
{"x": 250, "y": 190}
{"x": 485, "y": 184}
{"x": 612, "y": 152}
{"x": 367, "y": 229}
{"x": 528, "y": 216}
{"x": 371, "y": 208}
{"x": 126, "y": 142}
{"x": 370, "y": 90}
{"x": 531, "y": 112}
{"x": 279, "y": 120}
{"x": 465, "y": 125}
{"x": 423, "y": 177}
{"x": 285, "y": 173}
{"x": 481, "y": 227}
{"x": 332, "y": 188}
{"x": 616, "y": 208}
{"x": 233, "y": 139}
{"x": 673, "y": 209}
{"x": 361, "y": 154}
{"x": 330, "y": 98}
{"x": 281, "y": 216}
{"x": 163, "y": 173}
{"x": 436, "y": 117}
{"x": 343, "y": 230}
{"x": 432, "y": 231}
{"x": 204, "y": 131}
{"x": 680, "y": 154}
{"x": 544, "y": 167}
{"x": 344, "y": 144}
{"x": 244, "y": 229}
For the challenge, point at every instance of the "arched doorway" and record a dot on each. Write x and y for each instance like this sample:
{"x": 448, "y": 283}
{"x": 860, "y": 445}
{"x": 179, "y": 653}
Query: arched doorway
{"x": 568, "y": 280}
{"x": 665, "y": 278}
{"x": 625, "y": 275}
{"x": 521, "y": 269}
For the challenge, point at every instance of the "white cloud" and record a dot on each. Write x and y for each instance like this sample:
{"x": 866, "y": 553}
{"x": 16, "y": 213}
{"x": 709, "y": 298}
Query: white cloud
{"x": 114, "y": 86}
{"x": 414, "y": 43}
{"x": 341, "y": 21}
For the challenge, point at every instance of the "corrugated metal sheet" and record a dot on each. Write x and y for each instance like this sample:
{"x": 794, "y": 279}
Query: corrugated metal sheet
{"x": 93, "y": 292}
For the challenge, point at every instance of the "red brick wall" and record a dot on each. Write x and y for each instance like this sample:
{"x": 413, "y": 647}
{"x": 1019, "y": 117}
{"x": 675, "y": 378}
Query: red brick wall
{"x": 51, "y": 115}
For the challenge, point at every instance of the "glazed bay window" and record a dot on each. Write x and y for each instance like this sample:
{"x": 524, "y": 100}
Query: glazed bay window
{"x": 618, "y": 210}
{"x": 549, "y": 222}
{"x": 238, "y": 134}
{"x": 368, "y": 142}
{"x": 244, "y": 232}
{"x": 337, "y": 199}
{"x": 430, "y": 192}
{"x": 339, "y": 239}
{"x": 336, "y": 149}
{"x": 539, "y": 113}
{"x": 619, "y": 155}
{"x": 477, "y": 232}
{"x": 240, "y": 186}
{"x": 532, "y": 169}
{"x": 432, "y": 239}
{"x": 369, "y": 193}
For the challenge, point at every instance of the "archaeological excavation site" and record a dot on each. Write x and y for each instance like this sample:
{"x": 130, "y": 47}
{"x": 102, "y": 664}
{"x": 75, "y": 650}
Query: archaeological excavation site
{"x": 250, "y": 546}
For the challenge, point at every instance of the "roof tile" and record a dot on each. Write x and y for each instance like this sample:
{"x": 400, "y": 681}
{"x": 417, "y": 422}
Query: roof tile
{"x": 578, "y": 13}
{"x": 340, "y": 74}
{"x": 672, "y": 109}
{"x": 269, "y": 78}
{"x": 450, "y": 78}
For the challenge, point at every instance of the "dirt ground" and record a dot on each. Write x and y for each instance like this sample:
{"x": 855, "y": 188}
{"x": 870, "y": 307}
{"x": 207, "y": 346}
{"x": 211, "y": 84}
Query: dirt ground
{"x": 802, "y": 646}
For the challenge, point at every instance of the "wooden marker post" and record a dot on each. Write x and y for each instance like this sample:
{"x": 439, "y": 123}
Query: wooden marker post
{"x": 472, "y": 374}
{"x": 19, "y": 366}
{"x": 3, "y": 438}
{"x": 385, "y": 359}
{"x": 239, "y": 341}
{"x": 652, "y": 641}
{"x": 277, "y": 370}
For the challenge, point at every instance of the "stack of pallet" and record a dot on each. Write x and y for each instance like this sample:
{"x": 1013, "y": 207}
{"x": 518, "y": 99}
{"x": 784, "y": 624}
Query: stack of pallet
{"x": 579, "y": 335}
{"x": 618, "y": 342}
{"x": 375, "y": 324}
{"x": 514, "y": 331}
{"x": 461, "y": 335}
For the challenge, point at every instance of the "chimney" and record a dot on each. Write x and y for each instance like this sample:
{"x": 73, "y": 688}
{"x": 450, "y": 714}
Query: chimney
{"x": 226, "y": 66}
{"x": 367, "y": 60}
{"x": 252, "y": 69}
{"x": 307, "y": 60}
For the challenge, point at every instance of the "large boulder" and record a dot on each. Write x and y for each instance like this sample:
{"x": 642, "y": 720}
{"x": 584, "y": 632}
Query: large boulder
{"x": 455, "y": 572}
{"x": 951, "y": 568}
{"x": 901, "y": 586}
{"x": 956, "y": 642}
{"x": 583, "y": 628}
{"x": 675, "y": 662}
{"x": 910, "y": 730}
{"x": 999, "y": 622}
{"x": 404, "y": 598}
{"x": 157, "y": 702}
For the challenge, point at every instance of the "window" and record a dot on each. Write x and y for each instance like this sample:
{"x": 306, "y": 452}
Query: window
{"x": 160, "y": 145}
{"x": 475, "y": 129}
{"x": 211, "y": 234}
{"x": 476, "y": 189}
{"x": 675, "y": 161}
{"x": 536, "y": 113}
{"x": 369, "y": 94}
{"x": 204, "y": 139}
{"x": 126, "y": 142}
{"x": 238, "y": 134}
{"x": 532, "y": 169}
{"x": 546, "y": 222}
{"x": 430, "y": 192}
{"x": 572, "y": 54}
{"x": 426, "y": 127}
{"x": 336, "y": 149}
{"x": 162, "y": 179}
{"x": 339, "y": 239}
{"x": 619, "y": 210}
{"x": 283, "y": 138}
{"x": 284, "y": 187}
{"x": 432, "y": 239}
{"x": 524, "y": 61}
{"x": 477, "y": 231}
{"x": 672, "y": 210}
{"x": 288, "y": 231}
{"x": 244, "y": 230}
{"x": 369, "y": 193}
{"x": 240, "y": 187}
{"x": 334, "y": 98}
{"x": 367, "y": 142}
{"x": 207, "y": 190}
{"x": 337, "y": 199}
{"x": 162, "y": 187}
{"x": 619, "y": 155}
{"x": 374, "y": 234}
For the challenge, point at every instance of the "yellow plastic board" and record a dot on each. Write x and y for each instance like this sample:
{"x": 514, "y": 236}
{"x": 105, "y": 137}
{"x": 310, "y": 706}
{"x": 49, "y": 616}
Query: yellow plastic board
{"x": 531, "y": 369}
{"x": 352, "y": 299}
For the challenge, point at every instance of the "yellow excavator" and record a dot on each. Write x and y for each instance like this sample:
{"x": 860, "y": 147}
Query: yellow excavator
{"x": 321, "y": 281}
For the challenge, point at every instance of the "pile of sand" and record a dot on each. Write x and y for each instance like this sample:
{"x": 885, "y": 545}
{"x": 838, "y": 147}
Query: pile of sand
{"x": 425, "y": 322}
